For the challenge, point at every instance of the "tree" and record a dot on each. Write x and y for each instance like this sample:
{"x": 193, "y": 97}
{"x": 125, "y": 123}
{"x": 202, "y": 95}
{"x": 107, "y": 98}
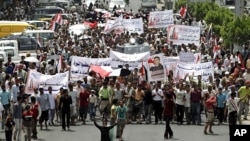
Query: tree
{"x": 219, "y": 18}
{"x": 237, "y": 30}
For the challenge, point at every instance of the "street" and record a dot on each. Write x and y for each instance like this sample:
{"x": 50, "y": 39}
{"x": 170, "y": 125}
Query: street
{"x": 133, "y": 132}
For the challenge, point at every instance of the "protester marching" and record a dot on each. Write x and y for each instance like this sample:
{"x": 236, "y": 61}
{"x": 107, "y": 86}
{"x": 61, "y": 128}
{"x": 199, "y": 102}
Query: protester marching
{"x": 121, "y": 67}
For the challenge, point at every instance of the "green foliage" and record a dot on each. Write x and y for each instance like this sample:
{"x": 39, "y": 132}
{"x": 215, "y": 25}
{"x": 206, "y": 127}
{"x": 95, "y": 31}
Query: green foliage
{"x": 237, "y": 30}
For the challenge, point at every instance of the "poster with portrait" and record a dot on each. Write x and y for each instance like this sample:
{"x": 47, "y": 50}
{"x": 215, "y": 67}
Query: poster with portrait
{"x": 156, "y": 68}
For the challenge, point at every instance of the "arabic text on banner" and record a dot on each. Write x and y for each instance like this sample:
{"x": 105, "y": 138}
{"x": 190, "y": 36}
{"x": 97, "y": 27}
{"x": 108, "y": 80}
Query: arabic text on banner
{"x": 181, "y": 34}
{"x": 160, "y": 19}
{"x": 36, "y": 79}
{"x": 203, "y": 69}
{"x": 186, "y": 57}
{"x": 155, "y": 68}
{"x": 80, "y": 66}
{"x": 133, "y": 60}
{"x": 130, "y": 25}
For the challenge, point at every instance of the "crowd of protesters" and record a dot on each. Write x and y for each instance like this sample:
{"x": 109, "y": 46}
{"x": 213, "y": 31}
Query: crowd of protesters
{"x": 123, "y": 100}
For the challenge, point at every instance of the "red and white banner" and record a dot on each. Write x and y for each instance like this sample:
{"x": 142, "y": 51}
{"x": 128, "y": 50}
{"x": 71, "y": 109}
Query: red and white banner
{"x": 203, "y": 69}
{"x": 160, "y": 19}
{"x": 182, "y": 34}
{"x": 103, "y": 71}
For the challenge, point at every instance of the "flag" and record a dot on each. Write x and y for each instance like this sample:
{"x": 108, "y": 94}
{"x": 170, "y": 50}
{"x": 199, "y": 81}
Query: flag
{"x": 91, "y": 25}
{"x": 58, "y": 19}
{"x": 56, "y": 22}
{"x": 241, "y": 60}
{"x": 183, "y": 11}
{"x": 59, "y": 65}
{"x": 209, "y": 32}
{"x": 216, "y": 50}
{"x": 198, "y": 59}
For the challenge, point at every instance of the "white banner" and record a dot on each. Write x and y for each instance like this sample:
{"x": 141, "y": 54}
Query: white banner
{"x": 80, "y": 66}
{"x": 187, "y": 57}
{"x": 155, "y": 68}
{"x": 170, "y": 64}
{"x": 160, "y": 19}
{"x": 203, "y": 69}
{"x": 133, "y": 25}
{"x": 114, "y": 25}
{"x": 181, "y": 34}
{"x": 36, "y": 79}
{"x": 133, "y": 60}
{"x": 130, "y": 25}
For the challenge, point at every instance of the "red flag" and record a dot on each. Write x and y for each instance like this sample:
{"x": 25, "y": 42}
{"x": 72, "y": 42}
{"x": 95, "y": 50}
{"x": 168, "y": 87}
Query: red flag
{"x": 142, "y": 71}
{"x": 241, "y": 61}
{"x": 198, "y": 59}
{"x": 90, "y": 24}
{"x": 150, "y": 61}
{"x": 183, "y": 12}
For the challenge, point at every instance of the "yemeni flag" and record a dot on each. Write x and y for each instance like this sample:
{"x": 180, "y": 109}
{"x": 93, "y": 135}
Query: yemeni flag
{"x": 209, "y": 32}
{"x": 183, "y": 11}
{"x": 56, "y": 22}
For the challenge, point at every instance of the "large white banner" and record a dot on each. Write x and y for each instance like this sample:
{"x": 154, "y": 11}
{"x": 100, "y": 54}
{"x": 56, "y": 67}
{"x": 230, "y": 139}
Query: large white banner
{"x": 36, "y": 79}
{"x": 160, "y": 19}
{"x": 156, "y": 69}
{"x": 133, "y": 60}
{"x": 203, "y": 69}
{"x": 80, "y": 66}
{"x": 133, "y": 25}
{"x": 114, "y": 25}
{"x": 182, "y": 34}
{"x": 130, "y": 25}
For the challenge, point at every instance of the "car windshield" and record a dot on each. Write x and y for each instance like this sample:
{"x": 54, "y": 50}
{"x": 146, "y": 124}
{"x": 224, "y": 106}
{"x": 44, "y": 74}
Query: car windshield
{"x": 48, "y": 11}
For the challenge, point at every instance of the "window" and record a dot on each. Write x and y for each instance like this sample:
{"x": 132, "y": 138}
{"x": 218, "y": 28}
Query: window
{"x": 5, "y": 29}
{"x": 9, "y": 52}
{"x": 7, "y": 44}
{"x": 1, "y": 58}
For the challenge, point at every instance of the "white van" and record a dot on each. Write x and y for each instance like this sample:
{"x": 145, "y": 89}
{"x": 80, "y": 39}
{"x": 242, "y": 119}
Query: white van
{"x": 11, "y": 49}
{"x": 3, "y": 57}
{"x": 10, "y": 43}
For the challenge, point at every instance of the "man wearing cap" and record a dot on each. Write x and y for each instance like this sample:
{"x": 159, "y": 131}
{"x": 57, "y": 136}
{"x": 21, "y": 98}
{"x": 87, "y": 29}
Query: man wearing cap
{"x": 244, "y": 95}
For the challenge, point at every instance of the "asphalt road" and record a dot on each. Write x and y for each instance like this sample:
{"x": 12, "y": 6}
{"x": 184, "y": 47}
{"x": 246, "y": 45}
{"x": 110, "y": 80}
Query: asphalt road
{"x": 133, "y": 132}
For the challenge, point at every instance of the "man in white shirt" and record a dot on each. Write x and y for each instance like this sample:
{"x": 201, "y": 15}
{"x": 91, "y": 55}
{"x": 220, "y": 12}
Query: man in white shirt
{"x": 73, "y": 106}
{"x": 232, "y": 106}
{"x": 52, "y": 109}
{"x": 180, "y": 98}
{"x": 157, "y": 103}
{"x": 187, "y": 104}
{"x": 246, "y": 75}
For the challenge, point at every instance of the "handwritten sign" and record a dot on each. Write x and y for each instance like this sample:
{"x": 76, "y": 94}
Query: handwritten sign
{"x": 80, "y": 66}
{"x": 133, "y": 25}
{"x": 130, "y": 25}
{"x": 181, "y": 34}
{"x": 187, "y": 57}
{"x": 36, "y": 79}
{"x": 203, "y": 69}
{"x": 160, "y": 19}
{"x": 133, "y": 60}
